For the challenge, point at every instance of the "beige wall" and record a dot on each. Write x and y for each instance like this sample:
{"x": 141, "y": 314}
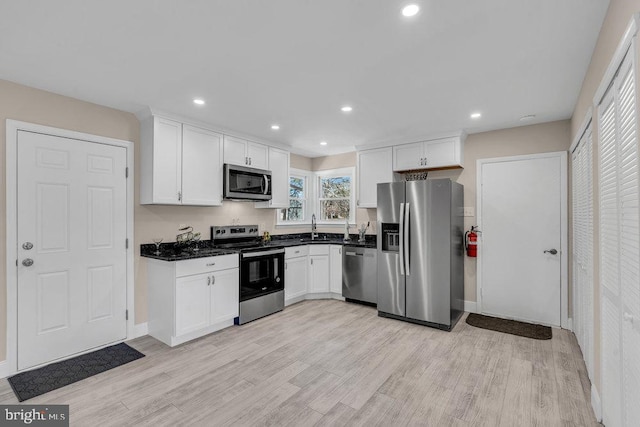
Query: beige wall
{"x": 615, "y": 24}
{"x": 542, "y": 138}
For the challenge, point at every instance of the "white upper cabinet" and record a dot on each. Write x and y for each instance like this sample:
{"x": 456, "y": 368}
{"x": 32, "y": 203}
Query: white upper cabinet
{"x": 241, "y": 152}
{"x": 279, "y": 167}
{"x": 408, "y": 156}
{"x": 433, "y": 154}
{"x": 180, "y": 164}
{"x": 202, "y": 167}
{"x": 374, "y": 166}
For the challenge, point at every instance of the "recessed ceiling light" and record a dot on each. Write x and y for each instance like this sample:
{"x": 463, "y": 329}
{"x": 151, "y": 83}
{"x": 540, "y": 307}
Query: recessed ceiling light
{"x": 198, "y": 101}
{"x": 476, "y": 115}
{"x": 275, "y": 127}
{"x": 323, "y": 142}
{"x": 527, "y": 117}
{"x": 347, "y": 109}
{"x": 410, "y": 10}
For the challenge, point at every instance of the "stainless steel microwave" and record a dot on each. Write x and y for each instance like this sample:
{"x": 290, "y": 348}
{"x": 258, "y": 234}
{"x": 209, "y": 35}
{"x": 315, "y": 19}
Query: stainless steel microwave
{"x": 243, "y": 183}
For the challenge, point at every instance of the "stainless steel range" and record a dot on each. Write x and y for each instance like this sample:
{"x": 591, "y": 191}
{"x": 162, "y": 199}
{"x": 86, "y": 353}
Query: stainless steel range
{"x": 261, "y": 270}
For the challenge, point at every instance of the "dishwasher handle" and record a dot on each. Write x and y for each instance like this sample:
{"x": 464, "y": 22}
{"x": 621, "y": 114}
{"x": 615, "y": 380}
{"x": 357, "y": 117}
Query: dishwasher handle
{"x": 350, "y": 253}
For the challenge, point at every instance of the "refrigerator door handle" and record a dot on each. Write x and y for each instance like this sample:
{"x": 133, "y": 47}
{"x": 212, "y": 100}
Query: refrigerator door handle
{"x": 407, "y": 233}
{"x": 401, "y": 233}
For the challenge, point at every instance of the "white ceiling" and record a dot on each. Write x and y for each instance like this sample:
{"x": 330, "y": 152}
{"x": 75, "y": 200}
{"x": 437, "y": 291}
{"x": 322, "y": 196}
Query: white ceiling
{"x": 296, "y": 62}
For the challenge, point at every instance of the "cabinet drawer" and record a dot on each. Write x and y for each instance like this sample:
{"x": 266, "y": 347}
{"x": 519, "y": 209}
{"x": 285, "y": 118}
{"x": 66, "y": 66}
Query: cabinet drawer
{"x": 319, "y": 250}
{"x": 204, "y": 265}
{"x": 296, "y": 251}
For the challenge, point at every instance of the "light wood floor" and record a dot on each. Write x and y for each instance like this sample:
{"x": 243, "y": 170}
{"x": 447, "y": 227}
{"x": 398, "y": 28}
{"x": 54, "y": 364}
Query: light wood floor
{"x": 334, "y": 363}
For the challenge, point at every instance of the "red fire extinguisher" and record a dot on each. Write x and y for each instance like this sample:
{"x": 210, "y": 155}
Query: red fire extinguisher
{"x": 471, "y": 241}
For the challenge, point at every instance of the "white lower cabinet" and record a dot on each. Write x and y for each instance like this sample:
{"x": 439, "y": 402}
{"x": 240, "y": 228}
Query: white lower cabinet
{"x": 312, "y": 271}
{"x": 192, "y": 298}
{"x": 335, "y": 269}
{"x": 318, "y": 268}
{"x": 295, "y": 278}
{"x": 192, "y": 303}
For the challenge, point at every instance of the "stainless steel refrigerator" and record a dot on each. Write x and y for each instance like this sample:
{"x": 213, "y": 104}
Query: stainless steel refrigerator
{"x": 421, "y": 251}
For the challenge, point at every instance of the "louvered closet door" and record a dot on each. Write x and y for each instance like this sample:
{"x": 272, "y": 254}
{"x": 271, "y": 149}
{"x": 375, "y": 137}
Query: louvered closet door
{"x": 581, "y": 163}
{"x": 629, "y": 241}
{"x": 609, "y": 265}
{"x": 619, "y": 250}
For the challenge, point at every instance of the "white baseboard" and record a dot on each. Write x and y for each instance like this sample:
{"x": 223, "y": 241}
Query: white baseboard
{"x": 596, "y": 404}
{"x": 294, "y": 300}
{"x": 140, "y": 330}
{"x": 470, "y": 306}
{"x": 4, "y": 369}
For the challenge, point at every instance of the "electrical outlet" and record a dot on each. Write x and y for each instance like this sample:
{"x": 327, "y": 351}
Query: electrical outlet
{"x": 469, "y": 211}
{"x": 262, "y": 227}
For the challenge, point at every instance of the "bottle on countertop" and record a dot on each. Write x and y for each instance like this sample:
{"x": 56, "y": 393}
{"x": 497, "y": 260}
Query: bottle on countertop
{"x": 346, "y": 230}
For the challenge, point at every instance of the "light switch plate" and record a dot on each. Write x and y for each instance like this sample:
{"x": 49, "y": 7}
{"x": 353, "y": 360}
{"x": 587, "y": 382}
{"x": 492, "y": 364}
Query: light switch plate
{"x": 469, "y": 211}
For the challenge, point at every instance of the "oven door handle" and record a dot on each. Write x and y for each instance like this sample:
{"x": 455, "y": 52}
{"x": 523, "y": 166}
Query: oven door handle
{"x": 262, "y": 253}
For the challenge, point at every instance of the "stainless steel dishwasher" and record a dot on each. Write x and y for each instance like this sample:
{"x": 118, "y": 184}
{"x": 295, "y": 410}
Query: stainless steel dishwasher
{"x": 360, "y": 274}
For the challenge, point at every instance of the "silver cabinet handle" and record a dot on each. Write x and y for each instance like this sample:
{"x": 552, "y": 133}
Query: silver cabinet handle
{"x": 208, "y": 280}
{"x": 213, "y": 280}
{"x": 551, "y": 251}
{"x": 210, "y": 264}
{"x": 28, "y": 262}
{"x": 179, "y": 196}
{"x": 27, "y": 246}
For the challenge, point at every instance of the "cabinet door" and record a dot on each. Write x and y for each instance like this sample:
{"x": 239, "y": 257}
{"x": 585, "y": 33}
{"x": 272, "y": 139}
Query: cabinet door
{"x": 335, "y": 269}
{"x": 235, "y": 151}
{"x": 279, "y": 167}
{"x": 374, "y": 167}
{"x": 295, "y": 277}
{"x": 192, "y": 303}
{"x": 258, "y": 155}
{"x": 408, "y": 156}
{"x": 202, "y": 167}
{"x": 318, "y": 273}
{"x": 225, "y": 295}
{"x": 443, "y": 153}
{"x": 167, "y": 161}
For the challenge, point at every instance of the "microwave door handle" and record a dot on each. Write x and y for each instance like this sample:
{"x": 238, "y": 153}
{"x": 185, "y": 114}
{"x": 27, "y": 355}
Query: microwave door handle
{"x": 401, "y": 233}
{"x": 265, "y": 189}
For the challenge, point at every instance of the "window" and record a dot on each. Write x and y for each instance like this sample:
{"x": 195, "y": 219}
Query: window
{"x": 330, "y": 195}
{"x": 297, "y": 200}
{"x": 335, "y": 197}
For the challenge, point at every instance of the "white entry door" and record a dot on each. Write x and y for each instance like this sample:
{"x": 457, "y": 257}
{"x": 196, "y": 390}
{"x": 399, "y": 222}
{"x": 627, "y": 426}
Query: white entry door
{"x": 71, "y": 246}
{"x": 520, "y": 204}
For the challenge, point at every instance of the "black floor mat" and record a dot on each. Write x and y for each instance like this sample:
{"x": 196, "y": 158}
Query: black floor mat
{"x": 513, "y": 327}
{"x": 27, "y": 385}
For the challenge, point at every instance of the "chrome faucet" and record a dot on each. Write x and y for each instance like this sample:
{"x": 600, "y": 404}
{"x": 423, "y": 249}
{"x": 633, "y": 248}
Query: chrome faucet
{"x": 314, "y": 233}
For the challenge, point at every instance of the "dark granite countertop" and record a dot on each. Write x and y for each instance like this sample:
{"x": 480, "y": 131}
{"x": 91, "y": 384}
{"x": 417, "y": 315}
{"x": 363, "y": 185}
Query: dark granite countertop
{"x": 173, "y": 252}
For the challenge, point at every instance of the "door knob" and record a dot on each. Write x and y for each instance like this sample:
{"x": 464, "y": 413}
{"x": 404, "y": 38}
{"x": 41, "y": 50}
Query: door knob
{"x": 28, "y": 262}
{"x": 27, "y": 246}
{"x": 551, "y": 251}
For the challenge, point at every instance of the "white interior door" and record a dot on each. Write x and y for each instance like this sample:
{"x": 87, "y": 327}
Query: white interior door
{"x": 72, "y": 226}
{"x": 520, "y": 211}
